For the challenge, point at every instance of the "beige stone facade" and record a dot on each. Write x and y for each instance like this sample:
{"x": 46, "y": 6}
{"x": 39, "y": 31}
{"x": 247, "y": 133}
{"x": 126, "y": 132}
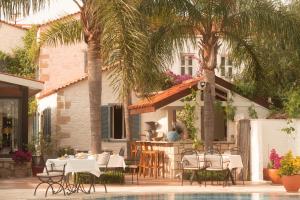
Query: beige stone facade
{"x": 11, "y": 37}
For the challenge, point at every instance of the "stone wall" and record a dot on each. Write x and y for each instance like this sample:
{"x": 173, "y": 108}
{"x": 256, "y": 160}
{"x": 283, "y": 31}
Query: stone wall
{"x": 10, "y": 37}
{"x": 8, "y": 168}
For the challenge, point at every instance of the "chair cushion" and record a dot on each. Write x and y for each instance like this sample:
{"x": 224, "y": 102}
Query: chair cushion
{"x": 103, "y": 158}
{"x": 215, "y": 169}
{"x": 51, "y": 174}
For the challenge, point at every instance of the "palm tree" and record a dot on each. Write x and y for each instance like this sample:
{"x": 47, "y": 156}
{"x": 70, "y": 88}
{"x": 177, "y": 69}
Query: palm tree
{"x": 10, "y": 8}
{"x": 231, "y": 21}
{"x": 111, "y": 30}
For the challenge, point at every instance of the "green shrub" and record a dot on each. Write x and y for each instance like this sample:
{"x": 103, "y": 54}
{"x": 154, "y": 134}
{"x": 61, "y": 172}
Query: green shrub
{"x": 109, "y": 177}
{"x": 210, "y": 176}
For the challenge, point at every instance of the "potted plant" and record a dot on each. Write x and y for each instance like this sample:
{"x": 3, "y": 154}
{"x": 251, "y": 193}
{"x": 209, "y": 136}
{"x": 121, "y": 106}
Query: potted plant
{"x": 22, "y": 166}
{"x": 289, "y": 171}
{"x": 273, "y": 167}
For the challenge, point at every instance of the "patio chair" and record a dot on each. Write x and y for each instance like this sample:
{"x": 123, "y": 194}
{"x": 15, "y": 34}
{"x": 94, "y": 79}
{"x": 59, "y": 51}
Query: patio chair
{"x": 237, "y": 151}
{"x": 122, "y": 151}
{"x": 133, "y": 165}
{"x": 103, "y": 160}
{"x": 190, "y": 162}
{"x": 214, "y": 163}
{"x": 52, "y": 175}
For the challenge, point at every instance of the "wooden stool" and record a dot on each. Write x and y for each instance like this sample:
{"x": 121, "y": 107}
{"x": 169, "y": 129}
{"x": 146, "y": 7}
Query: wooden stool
{"x": 133, "y": 150}
{"x": 148, "y": 163}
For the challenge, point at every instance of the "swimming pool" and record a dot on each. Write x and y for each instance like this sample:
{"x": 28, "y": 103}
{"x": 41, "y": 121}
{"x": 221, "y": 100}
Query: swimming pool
{"x": 204, "y": 196}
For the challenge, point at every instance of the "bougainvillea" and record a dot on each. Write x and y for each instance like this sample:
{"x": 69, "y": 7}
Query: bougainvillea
{"x": 275, "y": 160}
{"x": 177, "y": 79}
{"x": 21, "y": 156}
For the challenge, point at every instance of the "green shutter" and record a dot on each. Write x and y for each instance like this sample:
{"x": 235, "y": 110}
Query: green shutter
{"x": 135, "y": 126}
{"x": 105, "y": 122}
{"x": 47, "y": 124}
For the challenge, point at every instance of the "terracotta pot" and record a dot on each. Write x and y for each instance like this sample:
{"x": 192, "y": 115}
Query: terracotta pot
{"x": 266, "y": 174}
{"x": 291, "y": 183}
{"x": 37, "y": 169}
{"x": 274, "y": 177}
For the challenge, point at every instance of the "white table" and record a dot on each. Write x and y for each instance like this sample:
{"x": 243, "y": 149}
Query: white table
{"x": 116, "y": 161}
{"x": 235, "y": 161}
{"x": 74, "y": 165}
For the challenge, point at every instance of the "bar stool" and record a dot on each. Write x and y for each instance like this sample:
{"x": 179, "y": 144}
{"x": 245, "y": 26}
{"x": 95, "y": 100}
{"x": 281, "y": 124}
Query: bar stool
{"x": 147, "y": 162}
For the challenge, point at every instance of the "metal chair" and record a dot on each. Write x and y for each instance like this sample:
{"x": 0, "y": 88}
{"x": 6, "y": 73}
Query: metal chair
{"x": 237, "y": 151}
{"x": 52, "y": 176}
{"x": 103, "y": 160}
{"x": 190, "y": 162}
{"x": 214, "y": 162}
{"x": 122, "y": 151}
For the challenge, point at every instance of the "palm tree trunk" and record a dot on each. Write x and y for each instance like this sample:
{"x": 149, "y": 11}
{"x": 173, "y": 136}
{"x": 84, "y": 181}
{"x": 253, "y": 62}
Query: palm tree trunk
{"x": 209, "y": 51}
{"x": 126, "y": 103}
{"x": 95, "y": 89}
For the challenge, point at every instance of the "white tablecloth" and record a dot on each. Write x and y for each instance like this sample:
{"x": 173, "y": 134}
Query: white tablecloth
{"x": 76, "y": 165}
{"x": 235, "y": 161}
{"x": 116, "y": 161}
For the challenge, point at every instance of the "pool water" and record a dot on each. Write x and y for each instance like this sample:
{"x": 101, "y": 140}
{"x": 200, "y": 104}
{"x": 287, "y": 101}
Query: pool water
{"x": 205, "y": 196}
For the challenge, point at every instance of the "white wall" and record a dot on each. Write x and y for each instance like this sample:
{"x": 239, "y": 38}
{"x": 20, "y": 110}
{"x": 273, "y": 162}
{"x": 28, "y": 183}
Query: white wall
{"x": 266, "y": 134}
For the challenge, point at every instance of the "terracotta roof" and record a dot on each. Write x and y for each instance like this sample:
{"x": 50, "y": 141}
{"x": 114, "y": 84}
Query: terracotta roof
{"x": 54, "y": 90}
{"x": 165, "y": 97}
{"x": 61, "y": 18}
{"x": 177, "y": 92}
{"x": 14, "y": 25}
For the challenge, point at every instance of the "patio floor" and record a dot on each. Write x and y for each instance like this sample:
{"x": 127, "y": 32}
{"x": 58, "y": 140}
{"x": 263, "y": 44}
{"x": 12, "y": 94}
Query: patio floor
{"x": 23, "y": 188}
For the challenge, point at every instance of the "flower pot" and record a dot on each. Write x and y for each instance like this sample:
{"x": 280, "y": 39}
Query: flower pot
{"x": 291, "y": 183}
{"x": 37, "y": 169}
{"x": 274, "y": 177}
{"x": 266, "y": 174}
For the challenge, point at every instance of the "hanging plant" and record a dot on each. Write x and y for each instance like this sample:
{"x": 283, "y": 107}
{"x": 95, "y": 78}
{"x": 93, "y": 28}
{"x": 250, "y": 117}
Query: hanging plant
{"x": 252, "y": 112}
{"x": 289, "y": 129}
{"x": 230, "y": 110}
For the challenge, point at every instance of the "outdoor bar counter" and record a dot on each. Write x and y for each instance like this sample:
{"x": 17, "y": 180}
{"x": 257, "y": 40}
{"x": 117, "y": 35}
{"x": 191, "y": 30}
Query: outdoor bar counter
{"x": 173, "y": 152}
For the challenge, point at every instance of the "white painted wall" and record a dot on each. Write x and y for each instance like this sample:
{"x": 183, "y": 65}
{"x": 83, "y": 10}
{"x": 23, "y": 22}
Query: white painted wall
{"x": 266, "y": 134}
{"x": 10, "y": 37}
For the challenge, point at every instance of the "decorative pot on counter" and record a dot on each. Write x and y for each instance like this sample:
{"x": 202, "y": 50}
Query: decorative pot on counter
{"x": 291, "y": 183}
{"x": 274, "y": 176}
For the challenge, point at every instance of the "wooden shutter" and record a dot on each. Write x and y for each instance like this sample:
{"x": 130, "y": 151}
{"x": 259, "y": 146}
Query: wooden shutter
{"x": 47, "y": 124}
{"x": 135, "y": 123}
{"x": 105, "y": 122}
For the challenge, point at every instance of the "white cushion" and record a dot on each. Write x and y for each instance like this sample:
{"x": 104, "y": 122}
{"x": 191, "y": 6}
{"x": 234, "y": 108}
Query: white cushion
{"x": 44, "y": 174}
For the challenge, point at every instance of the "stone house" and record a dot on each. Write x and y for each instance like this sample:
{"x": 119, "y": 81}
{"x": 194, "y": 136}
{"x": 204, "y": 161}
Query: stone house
{"x": 64, "y": 106}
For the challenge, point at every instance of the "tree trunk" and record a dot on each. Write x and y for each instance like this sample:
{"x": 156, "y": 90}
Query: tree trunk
{"x": 209, "y": 48}
{"x": 126, "y": 103}
{"x": 95, "y": 89}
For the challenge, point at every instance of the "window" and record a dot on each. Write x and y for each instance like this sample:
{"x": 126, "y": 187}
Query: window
{"x": 182, "y": 60}
{"x": 182, "y": 71}
{"x": 190, "y": 59}
{"x": 190, "y": 71}
{"x": 113, "y": 125}
{"x": 222, "y": 71}
{"x": 229, "y": 61}
{"x": 230, "y": 72}
{"x": 222, "y": 61}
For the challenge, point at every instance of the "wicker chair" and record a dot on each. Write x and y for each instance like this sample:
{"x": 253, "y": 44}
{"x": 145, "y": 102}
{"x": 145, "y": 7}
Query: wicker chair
{"x": 53, "y": 175}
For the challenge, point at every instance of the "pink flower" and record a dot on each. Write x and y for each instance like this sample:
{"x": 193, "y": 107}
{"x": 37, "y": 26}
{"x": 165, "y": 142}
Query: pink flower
{"x": 275, "y": 160}
{"x": 21, "y": 156}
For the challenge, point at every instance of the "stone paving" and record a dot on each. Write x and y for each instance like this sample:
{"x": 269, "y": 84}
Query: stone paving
{"x": 23, "y": 189}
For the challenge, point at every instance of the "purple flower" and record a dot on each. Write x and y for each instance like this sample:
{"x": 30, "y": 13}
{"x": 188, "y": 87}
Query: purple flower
{"x": 177, "y": 79}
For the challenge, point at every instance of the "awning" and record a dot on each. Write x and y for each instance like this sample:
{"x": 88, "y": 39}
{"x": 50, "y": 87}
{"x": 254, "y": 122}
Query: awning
{"x": 33, "y": 86}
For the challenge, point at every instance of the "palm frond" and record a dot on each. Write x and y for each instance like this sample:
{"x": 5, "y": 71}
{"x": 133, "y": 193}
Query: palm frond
{"x": 10, "y": 8}
{"x": 67, "y": 31}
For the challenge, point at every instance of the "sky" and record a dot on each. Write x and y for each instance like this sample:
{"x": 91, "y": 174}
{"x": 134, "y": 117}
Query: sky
{"x": 57, "y": 9}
